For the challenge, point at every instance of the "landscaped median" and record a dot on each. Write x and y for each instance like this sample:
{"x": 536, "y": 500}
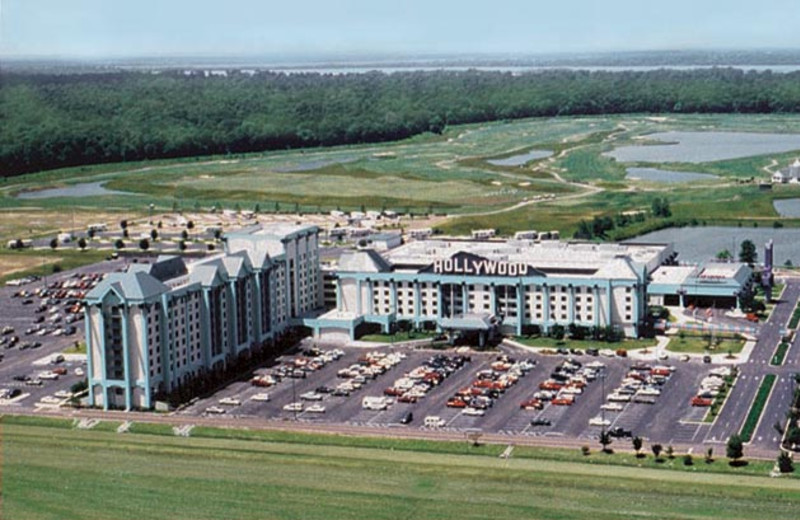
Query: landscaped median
{"x": 757, "y": 407}
{"x": 780, "y": 353}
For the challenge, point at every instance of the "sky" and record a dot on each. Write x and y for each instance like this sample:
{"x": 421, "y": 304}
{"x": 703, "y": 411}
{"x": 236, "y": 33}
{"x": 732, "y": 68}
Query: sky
{"x": 140, "y": 28}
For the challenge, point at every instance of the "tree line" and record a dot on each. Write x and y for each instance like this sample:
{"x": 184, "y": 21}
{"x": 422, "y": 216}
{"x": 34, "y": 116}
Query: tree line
{"x": 51, "y": 120}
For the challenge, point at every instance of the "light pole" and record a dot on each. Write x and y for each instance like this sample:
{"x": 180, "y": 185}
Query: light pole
{"x": 603, "y": 410}
{"x": 294, "y": 398}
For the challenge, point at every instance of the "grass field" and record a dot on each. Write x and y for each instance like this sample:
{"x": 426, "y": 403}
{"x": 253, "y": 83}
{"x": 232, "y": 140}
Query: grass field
{"x": 694, "y": 344}
{"x": 61, "y": 473}
{"x": 15, "y": 264}
{"x": 436, "y": 174}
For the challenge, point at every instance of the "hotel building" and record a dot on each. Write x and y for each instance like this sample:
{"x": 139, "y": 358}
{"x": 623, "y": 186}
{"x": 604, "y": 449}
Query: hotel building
{"x": 157, "y": 326}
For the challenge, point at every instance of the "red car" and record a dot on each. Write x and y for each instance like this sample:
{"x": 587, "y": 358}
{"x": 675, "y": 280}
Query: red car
{"x": 531, "y": 404}
{"x": 456, "y": 402}
{"x": 700, "y": 401}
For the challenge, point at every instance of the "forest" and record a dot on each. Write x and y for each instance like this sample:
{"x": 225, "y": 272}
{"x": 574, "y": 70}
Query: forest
{"x": 55, "y": 120}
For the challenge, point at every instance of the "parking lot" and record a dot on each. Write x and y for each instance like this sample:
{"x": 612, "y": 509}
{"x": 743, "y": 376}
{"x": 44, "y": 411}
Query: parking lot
{"x": 668, "y": 417}
{"x": 36, "y": 317}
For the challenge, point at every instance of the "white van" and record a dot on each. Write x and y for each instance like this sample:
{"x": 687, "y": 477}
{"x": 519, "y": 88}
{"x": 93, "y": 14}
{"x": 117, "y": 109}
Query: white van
{"x": 374, "y": 403}
{"x": 433, "y": 421}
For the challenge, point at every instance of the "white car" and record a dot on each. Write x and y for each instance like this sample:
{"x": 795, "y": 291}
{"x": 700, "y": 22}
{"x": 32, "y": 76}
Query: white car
{"x": 215, "y": 410}
{"x": 599, "y": 421}
{"x": 230, "y": 401}
{"x": 79, "y": 371}
{"x": 64, "y": 394}
{"x": 473, "y": 411}
{"x": 311, "y": 396}
{"x": 293, "y": 407}
{"x": 49, "y": 399}
{"x": 648, "y": 390}
{"x": 260, "y": 397}
{"x": 620, "y": 398}
{"x": 611, "y": 407}
{"x": 47, "y": 375}
{"x": 316, "y": 408}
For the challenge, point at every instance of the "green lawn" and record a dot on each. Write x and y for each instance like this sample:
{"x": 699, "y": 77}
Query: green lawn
{"x": 694, "y": 344}
{"x": 552, "y": 343}
{"x": 400, "y": 336}
{"x": 63, "y": 474}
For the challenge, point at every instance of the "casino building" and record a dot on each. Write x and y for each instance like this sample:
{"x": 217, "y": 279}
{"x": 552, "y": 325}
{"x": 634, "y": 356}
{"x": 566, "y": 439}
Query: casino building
{"x": 159, "y": 325}
{"x": 515, "y": 286}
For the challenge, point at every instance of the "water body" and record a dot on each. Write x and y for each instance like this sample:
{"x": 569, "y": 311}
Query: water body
{"x": 86, "y": 189}
{"x": 667, "y": 176}
{"x": 516, "y": 69}
{"x": 312, "y": 164}
{"x": 519, "y": 160}
{"x": 700, "y": 147}
{"x": 697, "y": 244}
{"x": 787, "y": 207}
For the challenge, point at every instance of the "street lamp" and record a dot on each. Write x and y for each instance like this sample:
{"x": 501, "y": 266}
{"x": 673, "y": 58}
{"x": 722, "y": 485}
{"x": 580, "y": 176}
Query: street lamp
{"x": 603, "y": 410}
{"x": 152, "y": 206}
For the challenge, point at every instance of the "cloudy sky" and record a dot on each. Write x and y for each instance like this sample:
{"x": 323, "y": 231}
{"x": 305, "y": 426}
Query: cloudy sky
{"x": 97, "y": 28}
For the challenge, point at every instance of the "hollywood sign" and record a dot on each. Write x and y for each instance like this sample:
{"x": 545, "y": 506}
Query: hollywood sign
{"x": 479, "y": 267}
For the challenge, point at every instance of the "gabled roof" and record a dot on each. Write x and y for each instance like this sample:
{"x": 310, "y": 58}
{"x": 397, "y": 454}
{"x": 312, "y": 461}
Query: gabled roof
{"x": 206, "y": 275}
{"x": 166, "y": 267}
{"x": 132, "y": 286}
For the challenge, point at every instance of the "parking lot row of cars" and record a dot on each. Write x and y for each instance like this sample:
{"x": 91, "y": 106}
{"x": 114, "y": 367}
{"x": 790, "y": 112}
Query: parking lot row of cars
{"x": 711, "y": 386}
{"x": 490, "y": 384}
{"x": 416, "y": 384}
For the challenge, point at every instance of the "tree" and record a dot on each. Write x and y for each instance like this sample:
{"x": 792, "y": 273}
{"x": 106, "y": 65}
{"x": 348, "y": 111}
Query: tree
{"x": 190, "y": 225}
{"x": 144, "y": 244}
{"x": 82, "y": 243}
{"x": 637, "y": 446}
{"x": 688, "y": 460}
{"x": 53, "y": 243}
{"x": 747, "y": 252}
{"x": 709, "y": 455}
{"x": 91, "y": 233}
{"x": 119, "y": 244}
{"x": 734, "y": 450}
{"x": 785, "y": 463}
{"x": 660, "y": 207}
{"x": 182, "y": 245}
{"x": 657, "y": 448}
{"x": 184, "y": 234}
{"x": 670, "y": 452}
{"x": 605, "y": 441}
{"x": 154, "y": 234}
{"x": 724, "y": 255}
{"x": 123, "y": 224}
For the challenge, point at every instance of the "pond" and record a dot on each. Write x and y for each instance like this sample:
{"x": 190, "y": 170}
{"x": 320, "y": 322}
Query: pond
{"x": 519, "y": 160}
{"x": 86, "y": 189}
{"x": 697, "y": 244}
{"x": 313, "y": 164}
{"x": 667, "y": 176}
{"x": 700, "y": 147}
{"x": 787, "y": 207}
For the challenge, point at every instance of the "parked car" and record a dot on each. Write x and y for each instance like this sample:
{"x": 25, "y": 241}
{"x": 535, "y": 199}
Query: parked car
{"x": 407, "y": 418}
